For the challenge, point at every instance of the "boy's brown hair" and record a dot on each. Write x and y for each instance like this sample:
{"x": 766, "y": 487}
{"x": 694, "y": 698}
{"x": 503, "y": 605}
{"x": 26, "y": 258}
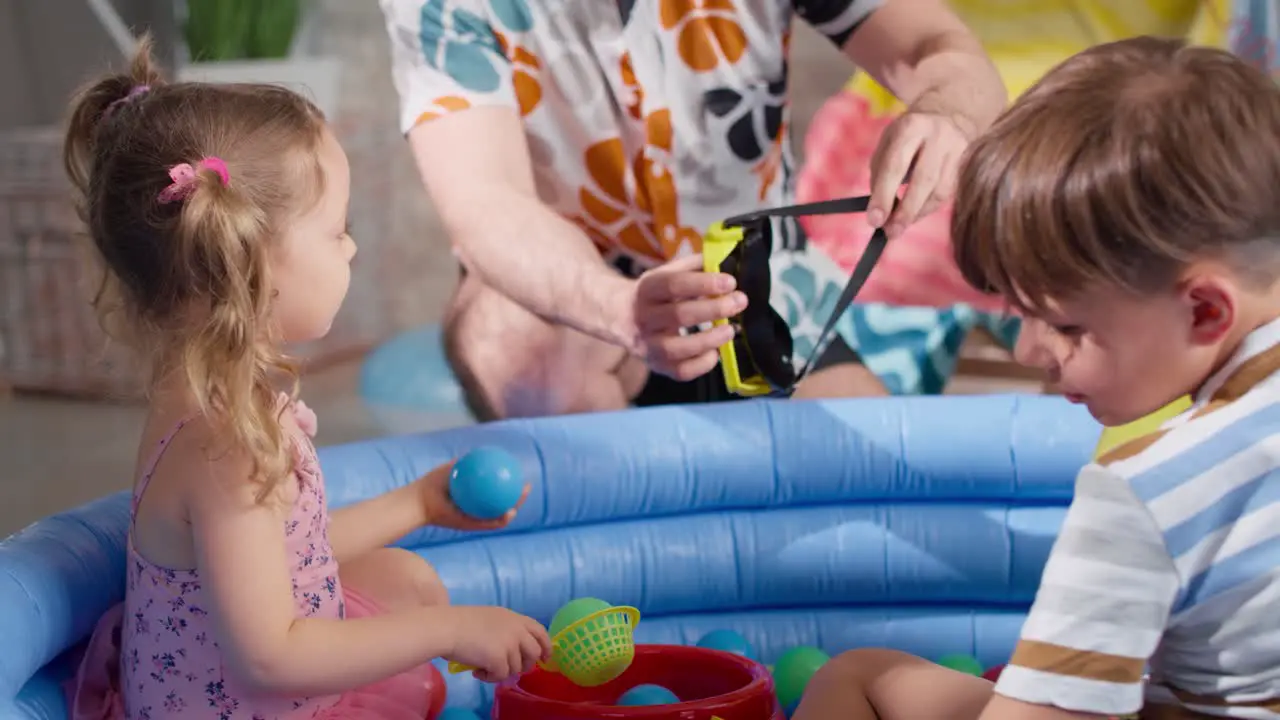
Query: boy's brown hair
{"x": 1122, "y": 165}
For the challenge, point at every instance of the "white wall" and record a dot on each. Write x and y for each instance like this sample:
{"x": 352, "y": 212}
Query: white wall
{"x": 48, "y": 48}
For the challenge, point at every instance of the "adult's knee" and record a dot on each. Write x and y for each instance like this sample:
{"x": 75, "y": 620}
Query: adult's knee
{"x": 506, "y": 372}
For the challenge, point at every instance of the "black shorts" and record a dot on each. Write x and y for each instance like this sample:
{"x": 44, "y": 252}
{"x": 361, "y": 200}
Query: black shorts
{"x": 662, "y": 390}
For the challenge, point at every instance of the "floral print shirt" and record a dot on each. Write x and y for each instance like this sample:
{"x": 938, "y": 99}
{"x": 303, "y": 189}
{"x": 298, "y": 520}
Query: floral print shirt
{"x": 646, "y": 120}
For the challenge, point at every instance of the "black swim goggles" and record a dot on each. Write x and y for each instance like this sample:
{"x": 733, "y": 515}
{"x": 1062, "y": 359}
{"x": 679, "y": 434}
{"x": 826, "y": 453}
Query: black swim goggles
{"x": 758, "y": 359}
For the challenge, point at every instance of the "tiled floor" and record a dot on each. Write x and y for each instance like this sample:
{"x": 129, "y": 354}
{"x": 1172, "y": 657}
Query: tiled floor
{"x": 56, "y": 454}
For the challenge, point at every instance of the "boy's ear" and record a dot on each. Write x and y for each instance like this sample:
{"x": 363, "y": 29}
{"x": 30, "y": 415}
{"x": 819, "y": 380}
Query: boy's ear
{"x": 1211, "y": 302}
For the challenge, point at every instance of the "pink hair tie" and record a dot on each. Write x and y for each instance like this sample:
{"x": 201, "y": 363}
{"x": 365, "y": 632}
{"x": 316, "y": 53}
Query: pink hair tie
{"x": 183, "y": 176}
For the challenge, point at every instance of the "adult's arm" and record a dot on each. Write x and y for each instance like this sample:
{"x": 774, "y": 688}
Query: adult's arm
{"x": 477, "y": 170}
{"x": 461, "y": 114}
{"x": 925, "y": 55}
{"x": 922, "y": 53}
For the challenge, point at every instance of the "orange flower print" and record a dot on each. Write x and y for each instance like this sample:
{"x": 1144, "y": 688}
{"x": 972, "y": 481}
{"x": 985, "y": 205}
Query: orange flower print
{"x": 636, "y": 203}
{"x": 768, "y": 167}
{"x": 608, "y": 206}
{"x": 635, "y": 94}
{"x": 656, "y": 186}
{"x": 523, "y": 78}
{"x": 706, "y": 31}
{"x": 442, "y": 106}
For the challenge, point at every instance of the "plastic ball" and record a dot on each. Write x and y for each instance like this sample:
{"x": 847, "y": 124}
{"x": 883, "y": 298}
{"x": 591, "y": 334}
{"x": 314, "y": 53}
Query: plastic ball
{"x": 457, "y": 714}
{"x": 993, "y": 673}
{"x": 648, "y": 695}
{"x": 573, "y": 611}
{"x": 961, "y": 663}
{"x": 792, "y": 671}
{"x": 486, "y": 483}
{"x": 728, "y": 641}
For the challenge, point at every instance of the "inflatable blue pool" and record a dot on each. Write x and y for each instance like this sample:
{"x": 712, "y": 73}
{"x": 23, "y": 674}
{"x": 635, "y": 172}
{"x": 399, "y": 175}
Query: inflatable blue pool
{"x": 916, "y": 523}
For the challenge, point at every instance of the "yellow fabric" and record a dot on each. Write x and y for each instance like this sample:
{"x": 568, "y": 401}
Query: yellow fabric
{"x": 1027, "y": 38}
{"x": 1114, "y": 437}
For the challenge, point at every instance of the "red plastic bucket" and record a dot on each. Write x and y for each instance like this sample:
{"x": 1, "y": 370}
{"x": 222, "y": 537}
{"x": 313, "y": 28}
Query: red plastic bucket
{"x": 710, "y": 683}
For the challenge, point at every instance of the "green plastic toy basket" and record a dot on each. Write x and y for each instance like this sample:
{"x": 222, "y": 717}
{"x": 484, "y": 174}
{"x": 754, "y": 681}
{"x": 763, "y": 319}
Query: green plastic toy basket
{"x": 593, "y": 650}
{"x": 597, "y": 648}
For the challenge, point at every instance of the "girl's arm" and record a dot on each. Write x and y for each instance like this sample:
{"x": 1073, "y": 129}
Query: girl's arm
{"x": 377, "y": 522}
{"x": 244, "y": 565}
{"x": 380, "y": 521}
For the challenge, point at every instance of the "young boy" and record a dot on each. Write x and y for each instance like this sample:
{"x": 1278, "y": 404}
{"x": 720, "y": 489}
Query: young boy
{"x": 1129, "y": 206}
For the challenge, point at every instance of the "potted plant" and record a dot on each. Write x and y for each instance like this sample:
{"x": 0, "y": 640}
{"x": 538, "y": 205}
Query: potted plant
{"x": 256, "y": 41}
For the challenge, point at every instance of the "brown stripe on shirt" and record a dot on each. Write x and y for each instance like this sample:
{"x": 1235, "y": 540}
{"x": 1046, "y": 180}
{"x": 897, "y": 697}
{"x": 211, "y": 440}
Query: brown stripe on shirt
{"x": 1250, "y": 373}
{"x": 1124, "y": 451}
{"x": 1088, "y": 664}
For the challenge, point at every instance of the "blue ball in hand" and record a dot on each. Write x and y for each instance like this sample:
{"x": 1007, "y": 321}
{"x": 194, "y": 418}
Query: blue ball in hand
{"x": 648, "y": 695}
{"x": 728, "y": 641}
{"x": 457, "y": 714}
{"x": 486, "y": 483}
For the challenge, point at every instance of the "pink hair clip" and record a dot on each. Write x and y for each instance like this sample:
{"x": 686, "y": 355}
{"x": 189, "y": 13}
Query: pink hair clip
{"x": 184, "y": 178}
{"x": 134, "y": 92}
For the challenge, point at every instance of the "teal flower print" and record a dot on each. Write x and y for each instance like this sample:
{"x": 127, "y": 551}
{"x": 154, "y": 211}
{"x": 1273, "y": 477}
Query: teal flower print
{"x": 461, "y": 44}
{"x": 513, "y": 14}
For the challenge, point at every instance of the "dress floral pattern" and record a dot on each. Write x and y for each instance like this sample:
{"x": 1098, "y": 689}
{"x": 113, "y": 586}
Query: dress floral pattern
{"x": 647, "y": 120}
{"x": 156, "y": 654}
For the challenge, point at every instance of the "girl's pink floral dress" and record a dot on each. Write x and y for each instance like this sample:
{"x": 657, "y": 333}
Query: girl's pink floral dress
{"x": 155, "y": 655}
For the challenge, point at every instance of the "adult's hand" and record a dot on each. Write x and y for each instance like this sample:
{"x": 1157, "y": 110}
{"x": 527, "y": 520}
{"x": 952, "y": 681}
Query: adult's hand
{"x": 676, "y": 296}
{"x": 928, "y": 147}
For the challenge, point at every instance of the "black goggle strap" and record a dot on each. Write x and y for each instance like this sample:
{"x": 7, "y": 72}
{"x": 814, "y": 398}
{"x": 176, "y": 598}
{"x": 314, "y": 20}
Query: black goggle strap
{"x": 861, "y": 271}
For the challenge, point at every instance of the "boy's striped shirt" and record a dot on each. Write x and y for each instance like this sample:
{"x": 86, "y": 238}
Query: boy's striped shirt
{"x": 1168, "y": 563}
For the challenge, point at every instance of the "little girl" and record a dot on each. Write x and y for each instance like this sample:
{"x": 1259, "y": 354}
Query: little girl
{"x": 219, "y": 213}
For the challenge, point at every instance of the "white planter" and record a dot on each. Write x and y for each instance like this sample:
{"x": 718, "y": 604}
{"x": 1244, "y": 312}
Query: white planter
{"x": 315, "y": 77}
{"x": 313, "y": 74}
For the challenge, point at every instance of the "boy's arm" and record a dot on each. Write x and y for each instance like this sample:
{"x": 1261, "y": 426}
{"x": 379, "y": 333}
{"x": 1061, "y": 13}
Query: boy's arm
{"x": 1104, "y": 602}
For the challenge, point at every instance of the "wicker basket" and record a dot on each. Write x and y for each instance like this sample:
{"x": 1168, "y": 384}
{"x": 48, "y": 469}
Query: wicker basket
{"x": 50, "y": 340}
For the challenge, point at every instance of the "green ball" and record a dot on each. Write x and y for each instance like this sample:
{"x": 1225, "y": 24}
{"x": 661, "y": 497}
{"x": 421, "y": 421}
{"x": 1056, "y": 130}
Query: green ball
{"x": 792, "y": 671}
{"x": 962, "y": 663}
{"x": 575, "y": 610}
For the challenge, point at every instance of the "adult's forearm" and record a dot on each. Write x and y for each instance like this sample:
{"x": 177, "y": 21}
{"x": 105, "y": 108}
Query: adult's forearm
{"x": 525, "y": 250}
{"x": 478, "y": 172}
{"x": 957, "y": 79}
{"x": 925, "y": 55}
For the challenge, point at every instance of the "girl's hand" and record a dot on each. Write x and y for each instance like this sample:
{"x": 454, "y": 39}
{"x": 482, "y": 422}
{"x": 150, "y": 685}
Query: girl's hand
{"x": 438, "y": 507}
{"x": 497, "y": 642}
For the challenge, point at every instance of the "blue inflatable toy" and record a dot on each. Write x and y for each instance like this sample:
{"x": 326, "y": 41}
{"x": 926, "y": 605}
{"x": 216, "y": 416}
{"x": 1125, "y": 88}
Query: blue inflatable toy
{"x": 455, "y": 713}
{"x": 408, "y": 386}
{"x": 918, "y": 523}
{"x": 486, "y": 483}
{"x": 648, "y": 695}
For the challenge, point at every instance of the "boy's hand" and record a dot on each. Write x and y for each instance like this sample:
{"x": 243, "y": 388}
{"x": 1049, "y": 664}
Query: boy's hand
{"x": 439, "y": 510}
